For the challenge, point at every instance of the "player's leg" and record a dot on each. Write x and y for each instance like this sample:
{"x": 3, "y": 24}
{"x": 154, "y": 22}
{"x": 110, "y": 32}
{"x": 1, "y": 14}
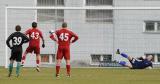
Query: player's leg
{"x": 24, "y": 57}
{"x": 28, "y": 50}
{"x": 10, "y": 67}
{"x": 123, "y": 63}
{"x": 58, "y": 61}
{"x": 38, "y": 58}
{"x": 124, "y": 55}
{"x": 67, "y": 58}
{"x": 18, "y": 68}
{"x": 18, "y": 59}
{"x": 12, "y": 58}
{"x": 68, "y": 67}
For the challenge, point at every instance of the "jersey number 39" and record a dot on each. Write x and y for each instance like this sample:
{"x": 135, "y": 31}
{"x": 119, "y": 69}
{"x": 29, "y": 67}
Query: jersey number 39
{"x": 17, "y": 40}
{"x": 64, "y": 36}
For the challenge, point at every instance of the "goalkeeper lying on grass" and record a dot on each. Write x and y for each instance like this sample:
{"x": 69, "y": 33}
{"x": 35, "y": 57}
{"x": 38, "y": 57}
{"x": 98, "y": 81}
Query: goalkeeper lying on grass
{"x": 139, "y": 63}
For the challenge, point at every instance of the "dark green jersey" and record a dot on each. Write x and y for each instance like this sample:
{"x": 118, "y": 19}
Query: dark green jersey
{"x": 17, "y": 39}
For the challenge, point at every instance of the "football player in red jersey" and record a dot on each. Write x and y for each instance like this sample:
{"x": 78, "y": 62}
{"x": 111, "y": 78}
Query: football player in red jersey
{"x": 64, "y": 37}
{"x": 34, "y": 44}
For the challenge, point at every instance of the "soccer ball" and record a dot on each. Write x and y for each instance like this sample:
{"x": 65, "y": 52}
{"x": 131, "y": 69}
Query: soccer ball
{"x": 51, "y": 31}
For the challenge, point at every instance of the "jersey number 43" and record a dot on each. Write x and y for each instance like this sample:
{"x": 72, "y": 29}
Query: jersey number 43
{"x": 35, "y": 35}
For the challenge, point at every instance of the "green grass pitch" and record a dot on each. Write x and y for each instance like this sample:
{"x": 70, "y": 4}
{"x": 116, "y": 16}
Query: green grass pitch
{"x": 83, "y": 76}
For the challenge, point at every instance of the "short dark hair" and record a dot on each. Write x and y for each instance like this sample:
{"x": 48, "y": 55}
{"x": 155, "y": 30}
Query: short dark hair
{"x": 18, "y": 28}
{"x": 34, "y": 24}
{"x": 64, "y": 24}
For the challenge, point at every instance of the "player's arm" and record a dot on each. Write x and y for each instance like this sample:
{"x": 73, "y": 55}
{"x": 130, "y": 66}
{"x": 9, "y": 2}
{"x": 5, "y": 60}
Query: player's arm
{"x": 75, "y": 36}
{"x": 53, "y": 36}
{"x": 25, "y": 38}
{"x": 43, "y": 44}
{"x": 27, "y": 32}
{"x": 8, "y": 40}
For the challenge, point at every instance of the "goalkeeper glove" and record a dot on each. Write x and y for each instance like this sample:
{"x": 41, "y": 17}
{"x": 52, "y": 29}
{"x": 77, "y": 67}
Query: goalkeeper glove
{"x": 43, "y": 45}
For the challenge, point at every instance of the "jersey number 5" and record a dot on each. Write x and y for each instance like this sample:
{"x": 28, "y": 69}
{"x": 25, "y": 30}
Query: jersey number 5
{"x": 35, "y": 35}
{"x": 17, "y": 40}
{"x": 64, "y": 36}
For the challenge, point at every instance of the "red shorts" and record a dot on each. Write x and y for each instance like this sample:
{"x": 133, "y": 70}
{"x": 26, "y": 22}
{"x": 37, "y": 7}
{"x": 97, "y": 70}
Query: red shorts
{"x": 36, "y": 49}
{"x": 63, "y": 51}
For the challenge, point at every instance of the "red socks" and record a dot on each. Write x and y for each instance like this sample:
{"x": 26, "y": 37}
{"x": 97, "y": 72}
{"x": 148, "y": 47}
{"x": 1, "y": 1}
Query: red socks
{"x": 68, "y": 67}
{"x": 37, "y": 61}
{"x": 57, "y": 69}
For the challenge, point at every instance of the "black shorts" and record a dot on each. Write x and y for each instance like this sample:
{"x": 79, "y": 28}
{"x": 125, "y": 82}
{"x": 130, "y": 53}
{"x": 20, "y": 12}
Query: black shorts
{"x": 134, "y": 63}
{"x": 16, "y": 54}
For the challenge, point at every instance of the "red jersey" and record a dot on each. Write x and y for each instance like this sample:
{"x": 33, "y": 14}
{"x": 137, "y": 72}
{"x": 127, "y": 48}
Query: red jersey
{"x": 34, "y": 36}
{"x": 65, "y": 37}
